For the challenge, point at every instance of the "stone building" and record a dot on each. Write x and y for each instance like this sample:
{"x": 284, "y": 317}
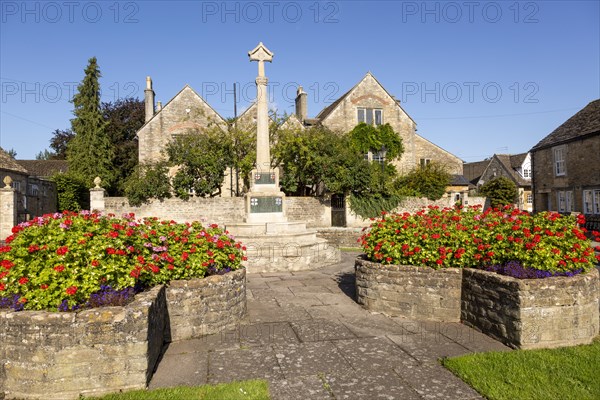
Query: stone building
{"x": 566, "y": 165}
{"x": 35, "y": 192}
{"x": 516, "y": 167}
{"x": 367, "y": 101}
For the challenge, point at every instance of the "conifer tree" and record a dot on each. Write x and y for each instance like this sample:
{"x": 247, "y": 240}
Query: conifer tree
{"x": 89, "y": 152}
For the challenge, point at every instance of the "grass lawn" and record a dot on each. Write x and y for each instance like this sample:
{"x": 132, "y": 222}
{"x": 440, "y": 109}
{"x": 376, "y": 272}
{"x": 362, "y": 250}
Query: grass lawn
{"x": 247, "y": 390}
{"x": 564, "y": 373}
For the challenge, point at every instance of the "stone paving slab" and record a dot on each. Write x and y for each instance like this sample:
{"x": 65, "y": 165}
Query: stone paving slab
{"x": 305, "y": 334}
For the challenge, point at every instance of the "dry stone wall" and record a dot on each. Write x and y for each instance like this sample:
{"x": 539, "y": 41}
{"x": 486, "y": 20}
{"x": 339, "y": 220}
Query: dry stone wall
{"x": 205, "y": 306}
{"x": 532, "y": 313}
{"x": 52, "y": 355}
{"x": 411, "y": 292}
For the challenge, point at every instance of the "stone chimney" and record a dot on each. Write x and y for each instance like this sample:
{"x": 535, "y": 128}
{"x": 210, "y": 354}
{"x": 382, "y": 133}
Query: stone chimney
{"x": 149, "y": 99}
{"x": 158, "y": 106}
{"x": 301, "y": 104}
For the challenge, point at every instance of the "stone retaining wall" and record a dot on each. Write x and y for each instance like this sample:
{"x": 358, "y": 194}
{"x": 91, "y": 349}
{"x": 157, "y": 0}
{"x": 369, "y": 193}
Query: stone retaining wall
{"x": 55, "y": 355}
{"x": 410, "y": 292}
{"x": 341, "y": 237}
{"x": 532, "y": 313}
{"x": 204, "y": 306}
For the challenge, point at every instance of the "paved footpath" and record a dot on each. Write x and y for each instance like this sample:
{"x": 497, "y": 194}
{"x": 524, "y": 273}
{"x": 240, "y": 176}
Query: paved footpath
{"x": 306, "y": 336}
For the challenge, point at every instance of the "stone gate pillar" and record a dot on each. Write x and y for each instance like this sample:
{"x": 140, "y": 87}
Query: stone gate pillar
{"x": 8, "y": 208}
{"x": 97, "y": 196}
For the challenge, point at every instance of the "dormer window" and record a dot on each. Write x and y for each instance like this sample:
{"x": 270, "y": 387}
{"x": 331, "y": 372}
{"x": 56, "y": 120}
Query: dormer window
{"x": 370, "y": 116}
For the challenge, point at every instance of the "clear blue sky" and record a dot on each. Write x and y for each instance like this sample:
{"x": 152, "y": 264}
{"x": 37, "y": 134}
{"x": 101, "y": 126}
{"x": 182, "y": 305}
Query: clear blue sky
{"x": 478, "y": 77}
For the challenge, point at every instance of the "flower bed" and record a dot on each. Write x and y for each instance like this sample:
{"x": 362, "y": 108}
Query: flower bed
{"x": 75, "y": 262}
{"x": 547, "y": 251}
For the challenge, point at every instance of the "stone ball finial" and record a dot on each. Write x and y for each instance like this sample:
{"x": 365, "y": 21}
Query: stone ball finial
{"x": 97, "y": 181}
{"x": 7, "y": 181}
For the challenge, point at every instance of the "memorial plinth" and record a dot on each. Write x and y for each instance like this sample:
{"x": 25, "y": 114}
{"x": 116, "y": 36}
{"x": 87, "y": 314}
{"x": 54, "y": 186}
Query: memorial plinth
{"x": 272, "y": 243}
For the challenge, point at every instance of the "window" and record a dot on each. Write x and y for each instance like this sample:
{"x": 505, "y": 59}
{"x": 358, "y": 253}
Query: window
{"x": 526, "y": 173}
{"x": 588, "y": 201}
{"x": 529, "y": 198}
{"x": 16, "y": 185}
{"x": 596, "y": 201}
{"x": 569, "y": 201}
{"x": 424, "y": 162}
{"x": 560, "y": 166}
{"x": 371, "y": 116}
{"x": 561, "y": 201}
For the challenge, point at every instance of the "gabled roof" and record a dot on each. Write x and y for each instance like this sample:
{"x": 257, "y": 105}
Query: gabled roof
{"x": 516, "y": 160}
{"x": 585, "y": 122}
{"x": 505, "y": 162}
{"x": 459, "y": 180}
{"x": 9, "y": 163}
{"x": 474, "y": 170}
{"x": 329, "y": 109}
{"x": 174, "y": 98}
{"x": 44, "y": 168}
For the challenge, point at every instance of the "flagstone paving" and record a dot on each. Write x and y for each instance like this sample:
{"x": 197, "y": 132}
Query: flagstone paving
{"x": 305, "y": 334}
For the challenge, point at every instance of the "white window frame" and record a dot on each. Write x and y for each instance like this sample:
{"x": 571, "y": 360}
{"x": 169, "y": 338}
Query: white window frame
{"x": 423, "y": 162}
{"x": 369, "y": 112}
{"x": 561, "y": 201}
{"x": 597, "y": 201}
{"x": 529, "y": 198}
{"x": 526, "y": 173}
{"x": 560, "y": 163}
{"x": 569, "y": 201}
{"x": 588, "y": 202}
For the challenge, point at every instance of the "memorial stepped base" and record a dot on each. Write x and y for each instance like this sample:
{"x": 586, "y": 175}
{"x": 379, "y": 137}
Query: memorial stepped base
{"x": 283, "y": 246}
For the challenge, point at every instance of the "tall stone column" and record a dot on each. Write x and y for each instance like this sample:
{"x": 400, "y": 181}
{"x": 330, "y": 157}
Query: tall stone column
{"x": 8, "y": 208}
{"x": 264, "y": 202}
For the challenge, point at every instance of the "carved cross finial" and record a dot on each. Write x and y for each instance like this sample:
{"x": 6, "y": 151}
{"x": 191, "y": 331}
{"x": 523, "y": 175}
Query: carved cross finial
{"x": 97, "y": 181}
{"x": 261, "y": 54}
{"x": 7, "y": 181}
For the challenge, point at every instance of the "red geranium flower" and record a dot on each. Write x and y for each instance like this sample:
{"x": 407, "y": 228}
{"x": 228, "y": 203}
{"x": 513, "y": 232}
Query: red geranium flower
{"x": 71, "y": 290}
{"x": 59, "y": 268}
{"x": 23, "y": 280}
{"x": 61, "y": 251}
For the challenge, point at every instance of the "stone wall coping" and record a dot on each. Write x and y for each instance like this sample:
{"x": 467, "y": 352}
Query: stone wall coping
{"x": 362, "y": 260}
{"x": 238, "y": 274}
{"x": 530, "y": 284}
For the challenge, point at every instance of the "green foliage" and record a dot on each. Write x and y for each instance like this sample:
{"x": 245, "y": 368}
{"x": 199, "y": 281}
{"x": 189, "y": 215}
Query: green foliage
{"x": 373, "y": 206}
{"x": 568, "y": 373}
{"x": 201, "y": 159}
{"x": 367, "y": 138}
{"x": 44, "y": 155}
{"x": 89, "y": 152}
{"x": 124, "y": 118}
{"x": 70, "y": 256}
{"x": 429, "y": 181}
{"x": 59, "y": 143}
{"x": 148, "y": 182}
{"x": 243, "y": 149}
{"x": 73, "y": 193}
{"x": 244, "y": 390}
{"x": 500, "y": 191}
{"x": 468, "y": 238}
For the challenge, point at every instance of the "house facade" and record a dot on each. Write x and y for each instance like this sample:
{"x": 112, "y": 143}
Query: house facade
{"x": 35, "y": 193}
{"x": 367, "y": 101}
{"x": 566, "y": 165}
{"x": 516, "y": 167}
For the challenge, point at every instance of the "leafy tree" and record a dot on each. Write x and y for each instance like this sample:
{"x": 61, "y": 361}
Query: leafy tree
{"x": 44, "y": 155}
{"x": 201, "y": 159}
{"x": 124, "y": 118}
{"x": 148, "y": 182}
{"x": 500, "y": 191}
{"x": 12, "y": 153}
{"x": 59, "y": 142}
{"x": 89, "y": 152}
{"x": 367, "y": 138}
{"x": 73, "y": 192}
{"x": 429, "y": 181}
{"x": 243, "y": 149}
